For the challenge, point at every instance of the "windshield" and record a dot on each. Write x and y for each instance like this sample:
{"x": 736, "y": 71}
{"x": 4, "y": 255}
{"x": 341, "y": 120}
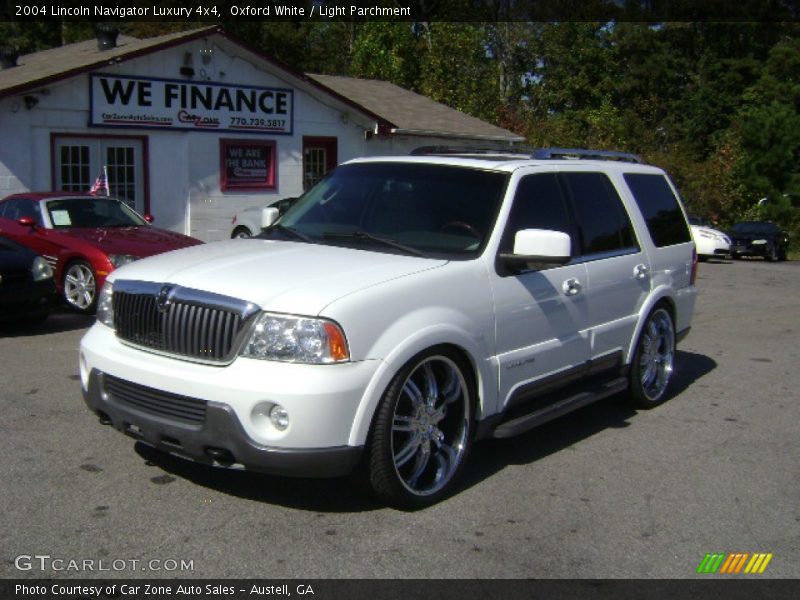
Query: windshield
{"x": 92, "y": 212}
{"x": 756, "y": 228}
{"x": 421, "y": 209}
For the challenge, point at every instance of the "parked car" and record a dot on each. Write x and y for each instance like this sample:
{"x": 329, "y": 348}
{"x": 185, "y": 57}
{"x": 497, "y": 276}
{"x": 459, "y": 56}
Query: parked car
{"x": 27, "y": 289}
{"x": 709, "y": 241}
{"x": 759, "y": 238}
{"x": 84, "y": 238}
{"x": 401, "y": 309}
{"x": 247, "y": 223}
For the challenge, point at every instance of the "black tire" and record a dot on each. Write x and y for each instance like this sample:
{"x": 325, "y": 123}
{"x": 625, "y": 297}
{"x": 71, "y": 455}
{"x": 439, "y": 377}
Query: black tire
{"x": 80, "y": 287}
{"x": 782, "y": 254}
{"x": 773, "y": 254}
{"x": 422, "y": 430}
{"x": 736, "y": 256}
{"x": 653, "y": 361}
{"x": 241, "y": 232}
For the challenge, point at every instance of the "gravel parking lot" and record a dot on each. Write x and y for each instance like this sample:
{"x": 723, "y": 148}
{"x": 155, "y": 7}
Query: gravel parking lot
{"x": 604, "y": 492}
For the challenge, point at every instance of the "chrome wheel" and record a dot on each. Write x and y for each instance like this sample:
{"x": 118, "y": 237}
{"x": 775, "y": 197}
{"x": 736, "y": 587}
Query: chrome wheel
{"x": 422, "y": 430}
{"x": 656, "y": 355}
{"x": 79, "y": 286}
{"x": 430, "y": 425}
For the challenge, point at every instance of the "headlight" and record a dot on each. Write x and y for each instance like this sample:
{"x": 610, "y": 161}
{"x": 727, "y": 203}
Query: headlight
{"x": 296, "y": 339}
{"x": 40, "y": 269}
{"x": 105, "y": 305}
{"x": 121, "y": 259}
{"x": 759, "y": 242}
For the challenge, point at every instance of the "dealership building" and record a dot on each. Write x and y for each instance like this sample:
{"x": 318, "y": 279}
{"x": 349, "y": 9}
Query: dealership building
{"x": 192, "y": 127}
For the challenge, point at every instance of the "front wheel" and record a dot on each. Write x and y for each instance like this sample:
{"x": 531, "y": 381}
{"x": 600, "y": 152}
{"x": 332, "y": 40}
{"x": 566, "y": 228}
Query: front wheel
{"x": 80, "y": 291}
{"x": 653, "y": 361}
{"x": 422, "y": 431}
{"x": 773, "y": 254}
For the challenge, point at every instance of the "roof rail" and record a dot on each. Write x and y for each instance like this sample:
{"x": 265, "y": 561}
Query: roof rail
{"x": 583, "y": 153}
{"x": 450, "y": 150}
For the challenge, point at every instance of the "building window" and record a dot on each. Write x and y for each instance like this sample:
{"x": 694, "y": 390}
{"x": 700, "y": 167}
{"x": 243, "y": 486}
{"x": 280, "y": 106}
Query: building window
{"x": 122, "y": 173}
{"x": 74, "y": 167}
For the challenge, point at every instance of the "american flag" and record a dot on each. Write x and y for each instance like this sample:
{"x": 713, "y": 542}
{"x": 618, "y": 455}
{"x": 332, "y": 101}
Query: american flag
{"x": 101, "y": 183}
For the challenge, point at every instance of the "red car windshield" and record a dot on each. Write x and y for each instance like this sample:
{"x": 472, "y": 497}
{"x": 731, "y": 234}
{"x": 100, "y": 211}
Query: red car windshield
{"x": 91, "y": 212}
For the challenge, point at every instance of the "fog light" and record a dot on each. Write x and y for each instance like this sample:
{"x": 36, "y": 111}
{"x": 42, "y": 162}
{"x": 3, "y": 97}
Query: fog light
{"x": 279, "y": 417}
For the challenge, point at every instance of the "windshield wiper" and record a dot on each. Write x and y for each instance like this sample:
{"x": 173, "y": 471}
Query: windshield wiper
{"x": 363, "y": 235}
{"x": 298, "y": 234}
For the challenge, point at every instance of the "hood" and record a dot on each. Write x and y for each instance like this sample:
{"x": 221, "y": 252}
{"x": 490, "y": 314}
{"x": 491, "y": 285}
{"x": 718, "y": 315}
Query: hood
{"x": 708, "y": 231}
{"x": 279, "y": 276}
{"x": 137, "y": 241}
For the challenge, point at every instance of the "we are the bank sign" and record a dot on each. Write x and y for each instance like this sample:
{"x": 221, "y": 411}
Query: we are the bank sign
{"x": 118, "y": 101}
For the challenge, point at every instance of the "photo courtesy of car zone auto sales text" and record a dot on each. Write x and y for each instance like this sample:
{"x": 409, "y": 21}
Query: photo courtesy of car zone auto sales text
{"x": 352, "y": 304}
{"x": 161, "y": 590}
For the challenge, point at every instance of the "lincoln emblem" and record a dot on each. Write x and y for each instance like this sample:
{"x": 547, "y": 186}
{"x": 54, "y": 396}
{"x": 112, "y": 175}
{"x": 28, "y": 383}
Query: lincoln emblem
{"x": 164, "y": 298}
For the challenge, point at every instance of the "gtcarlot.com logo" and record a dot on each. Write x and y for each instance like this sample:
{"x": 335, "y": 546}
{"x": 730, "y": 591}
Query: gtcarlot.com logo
{"x": 734, "y": 563}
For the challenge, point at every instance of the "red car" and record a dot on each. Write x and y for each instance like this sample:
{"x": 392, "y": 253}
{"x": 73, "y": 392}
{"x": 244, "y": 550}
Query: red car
{"x": 83, "y": 237}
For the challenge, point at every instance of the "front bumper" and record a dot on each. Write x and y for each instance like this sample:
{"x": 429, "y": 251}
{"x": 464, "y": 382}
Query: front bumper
{"x": 160, "y": 397}
{"x": 749, "y": 249}
{"x": 218, "y": 440}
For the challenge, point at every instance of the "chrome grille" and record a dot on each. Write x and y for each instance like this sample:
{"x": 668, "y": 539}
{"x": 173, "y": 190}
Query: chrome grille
{"x": 157, "y": 402}
{"x": 178, "y": 321}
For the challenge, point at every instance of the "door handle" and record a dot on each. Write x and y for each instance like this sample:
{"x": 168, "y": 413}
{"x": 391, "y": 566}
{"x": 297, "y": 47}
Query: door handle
{"x": 571, "y": 287}
{"x": 640, "y": 271}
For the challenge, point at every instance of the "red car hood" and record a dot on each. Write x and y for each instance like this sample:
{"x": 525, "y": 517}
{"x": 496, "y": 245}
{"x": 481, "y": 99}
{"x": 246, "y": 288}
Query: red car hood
{"x": 136, "y": 241}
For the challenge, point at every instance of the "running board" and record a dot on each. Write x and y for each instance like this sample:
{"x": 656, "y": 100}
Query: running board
{"x": 558, "y": 408}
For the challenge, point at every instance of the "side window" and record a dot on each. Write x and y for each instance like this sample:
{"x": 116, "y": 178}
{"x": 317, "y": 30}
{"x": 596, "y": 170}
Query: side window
{"x": 603, "y": 224}
{"x": 538, "y": 204}
{"x": 660, "y": 208}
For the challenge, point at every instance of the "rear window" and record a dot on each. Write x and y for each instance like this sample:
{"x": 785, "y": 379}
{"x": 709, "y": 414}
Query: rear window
{"x": 660, "y": 208}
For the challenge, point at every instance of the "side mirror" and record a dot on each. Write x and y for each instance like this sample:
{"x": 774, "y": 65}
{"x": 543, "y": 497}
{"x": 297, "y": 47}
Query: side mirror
{"x": 268, "y": 216}
{"x": 149, "y": 218}
{"x": 27, "y": 222}
{"x": 537, "y": 249}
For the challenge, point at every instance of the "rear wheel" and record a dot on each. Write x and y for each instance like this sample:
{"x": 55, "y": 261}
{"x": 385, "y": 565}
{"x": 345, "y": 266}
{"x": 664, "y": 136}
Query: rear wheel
{"x": 80, "y": 291}
{"x": 241, "y": 232}
{"x": 422, "y": 431}
{"x": 653, "y": 361}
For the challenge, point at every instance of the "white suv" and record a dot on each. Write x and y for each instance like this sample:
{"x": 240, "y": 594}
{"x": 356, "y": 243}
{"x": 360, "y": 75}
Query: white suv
{"x": 402, "y": 309}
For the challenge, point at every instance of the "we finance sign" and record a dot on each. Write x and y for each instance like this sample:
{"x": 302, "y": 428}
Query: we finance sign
{"x": 118, "y": 101}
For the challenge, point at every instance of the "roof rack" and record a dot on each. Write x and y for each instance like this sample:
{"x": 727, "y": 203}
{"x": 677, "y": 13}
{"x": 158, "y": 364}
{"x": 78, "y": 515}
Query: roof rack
{"x": 466, "y": 150}
{"x": 583, "y": 153}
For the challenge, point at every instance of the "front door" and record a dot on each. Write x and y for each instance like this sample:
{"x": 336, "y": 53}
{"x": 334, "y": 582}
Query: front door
{"x": 542, "y": 316}
{"x": 320, "y": 155}
{"x": 79, "y": 161}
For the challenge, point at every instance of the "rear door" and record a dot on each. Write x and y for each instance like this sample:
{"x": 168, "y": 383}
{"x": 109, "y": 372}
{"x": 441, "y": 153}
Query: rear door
{"x": 618, "y": 271}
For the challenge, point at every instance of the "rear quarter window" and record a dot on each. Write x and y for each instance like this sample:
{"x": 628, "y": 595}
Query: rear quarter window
{"x": 660, "y": 208}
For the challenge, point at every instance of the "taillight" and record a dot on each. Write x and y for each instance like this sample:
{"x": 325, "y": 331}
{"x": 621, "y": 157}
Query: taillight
{"x": 233, "y": 222}
{"x": 693, "y": 276}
